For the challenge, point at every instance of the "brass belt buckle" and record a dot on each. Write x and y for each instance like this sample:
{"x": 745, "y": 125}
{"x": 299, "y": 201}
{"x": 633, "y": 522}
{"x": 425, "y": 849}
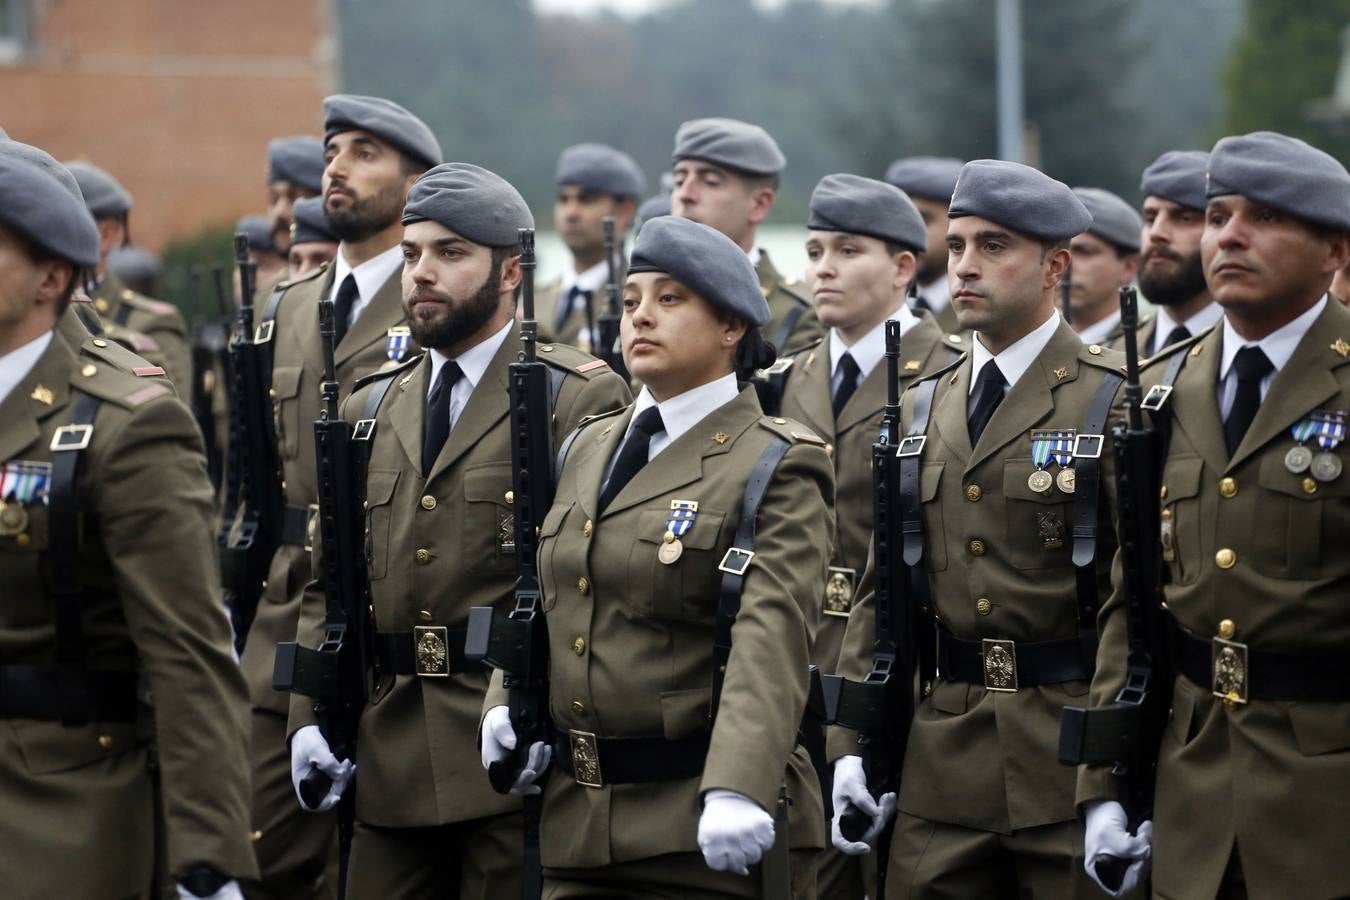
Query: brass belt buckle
{"x": 839, "y": 587}
{"x": 1229, "y": 670}
{"x": 1000, "y": 665}
{"x": 431, "y": 651}
{"x": 585, "y": 759}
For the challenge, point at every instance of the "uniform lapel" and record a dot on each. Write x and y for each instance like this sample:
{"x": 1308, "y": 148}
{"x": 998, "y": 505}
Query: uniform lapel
{"x": 1195, "y": 405}
{"x": 866, "y": 400}
{"x": 815, "y": 396}
{"x": 407, "y": 410}
{"x": 488, "y": 404}
{"x": 22, "y": 412}
{"x": 593, "y": 453}
{"x": 949, "y": 412}
{"x": 383, "y": 311}
{"x": 306, "y": 332}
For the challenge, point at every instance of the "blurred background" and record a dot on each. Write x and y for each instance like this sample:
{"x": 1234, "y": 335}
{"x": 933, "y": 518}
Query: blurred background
{"x": 178, "y": 98}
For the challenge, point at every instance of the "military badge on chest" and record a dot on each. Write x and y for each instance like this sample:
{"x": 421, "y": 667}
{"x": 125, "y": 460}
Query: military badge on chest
{"x": 839, "y": 587}
{"x": 1327, "y": 429}
{"x": 1052, "y": 445}
{"x": 506, "y": 533}
{"x": 682, "y": 516}
{"x": 398, "y": 342}
{"x": 21, "y": 483}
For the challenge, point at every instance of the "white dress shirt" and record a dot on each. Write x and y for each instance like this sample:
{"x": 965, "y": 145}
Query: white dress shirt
{"x": 371, "y": 275}
{"x": 1278, "y": 346}
{"x": 1100, "y": 332}
{"x": 678, "y": 414}
{"x": 868, "y": 350}
{"x": 473, "y": 363}
{"x": 1197, "y": 323}
{"x": 1014, "y": 361}
{"x": 17, "y": 363}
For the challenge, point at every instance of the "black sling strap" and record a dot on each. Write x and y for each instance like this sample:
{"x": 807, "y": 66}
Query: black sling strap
{"x": 789, "y": 322}
{"x": 262, "y": 335}
{"x": 122, "y": 315}
{"x": 910, "y": 453}
{"x": 1087, "y": 451}
{"x": 68, "y": 444}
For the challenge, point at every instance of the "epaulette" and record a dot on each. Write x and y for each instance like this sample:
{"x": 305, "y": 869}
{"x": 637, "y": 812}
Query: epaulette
{"x": 107, "y": 349}
{"x": 571, "y": 360}
{"x": 586, "y": 420}
{"x": 938, "y": 372}
{"x": 146, "y": 304}
{"x": 101, "y": 373}
{"x": 1173, "y": 349}
{"x": 1102, "y": 357}
{"x": 287, "y": 283}
{"x": 387, "y": 371}
{"x": 955, "y": 341}
{"x": 135, "y": 341}
{"x": 791, "y": 430}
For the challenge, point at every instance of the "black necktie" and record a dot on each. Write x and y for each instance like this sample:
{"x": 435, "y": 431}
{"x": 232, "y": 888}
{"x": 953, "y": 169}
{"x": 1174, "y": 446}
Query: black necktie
{"x": 633, "y": 454}
{"x": 1175, "y": 336}
{"x": 570, "y": 303}
{"x": 848, "y": 382}
{"x": 1250, "y": 365}
{"x": 921, "y": 304}
{"x": 436, "y": 427}
{"x": 988, "y": 395}
{"x": 342, "y": 306}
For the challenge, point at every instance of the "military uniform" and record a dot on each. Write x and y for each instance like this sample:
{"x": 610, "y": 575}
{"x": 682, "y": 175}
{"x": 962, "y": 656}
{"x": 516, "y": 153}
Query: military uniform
{"x": 793, "y": 323}
{"x": 146, "y": 608}
{"x": 160, "y": 322}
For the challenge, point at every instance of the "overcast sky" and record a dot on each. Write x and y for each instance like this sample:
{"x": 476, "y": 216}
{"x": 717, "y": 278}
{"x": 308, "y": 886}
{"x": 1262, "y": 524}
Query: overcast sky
{"x": 630, "y": 7}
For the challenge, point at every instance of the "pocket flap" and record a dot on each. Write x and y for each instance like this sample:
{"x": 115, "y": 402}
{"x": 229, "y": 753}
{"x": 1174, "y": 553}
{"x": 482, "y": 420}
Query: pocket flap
{"x": 380, "y": 485}
{"x": 487, "y": 482}
{"x": 1273, "y": 476}
{"x": 554, "y": 519}
{"x": 684, "y": 712}
{"x": 286, "y": 381}
{"x": 930, "y": 478}
{"x": 1181, "y": 478}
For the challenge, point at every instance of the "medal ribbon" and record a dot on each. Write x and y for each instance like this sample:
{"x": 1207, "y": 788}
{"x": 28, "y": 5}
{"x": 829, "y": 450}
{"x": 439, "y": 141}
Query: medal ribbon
{"x": 23, "y": 481}
{"x": 1330, "y": 429}
{"x": 680, "y": 521}
{"x": 1040, "y": 451}
{"x": 1304, "y": 429}
{"x": 397, "y": 346}
{"x": 1063, "y": 451}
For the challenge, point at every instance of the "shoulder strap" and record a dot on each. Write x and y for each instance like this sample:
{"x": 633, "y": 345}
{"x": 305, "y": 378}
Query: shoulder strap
{"x": 1087, "y": 452}
{"x": 1155, "y": 402}
{"x": 910, "y": 453}
{"x": 262, "y": 335}
{"x": 364, "y": 432}
{"x": 122, "y": 314}
{"x": 736, "y": 562}
{"x": 63, "y": 528}
{"x": 556, "y": 377}
{"x": 789, "y": 322}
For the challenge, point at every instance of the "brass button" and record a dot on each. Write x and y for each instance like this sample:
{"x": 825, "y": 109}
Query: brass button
{"x": 973, "y": 493}
{"x": 101, "y": 305}
{"x": 578, "y": 707}
{"x": 983, "y": 606}
{"x": 23, "y": 540}
{"x": 1227, "y": 628}
{"x": 428, "y": 502}
{"x": 89, "y": 370}
{"x": 423, "y": 555}
{"x": 424, "y": 615}
{"x": 829, "y": 449}
{"x": 587, "y": 528}
{"x": 1162, "y": 494}
{"x": 283, "y": 485}
{"x": 1228, "y": 487}
{"x": 579, "y": 646}
{"x": 105, "y": 741}
{"x": 100, "y": 342}
{"x": 1309, "y": 485}
{"x": 272, "y": 392}
{"x": 546, "y": 348}
{"x": 780, "y": 421}
{"x": 1095, "y": 349}
{"x": 1225, "y": 558}
{"x": 1167, "y": 514}
{"x": 583, "y": 586}
{"x": 255, "y": 836}
{"x": 510, "y": 497}
{"x": 977, "y": 547}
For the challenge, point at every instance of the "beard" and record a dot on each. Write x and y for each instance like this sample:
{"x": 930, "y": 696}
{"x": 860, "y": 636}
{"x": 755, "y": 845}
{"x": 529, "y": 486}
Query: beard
{"x": 1174, "y": 289}
{"x": 366, "y": 217}
{"x": 460, "y": 319}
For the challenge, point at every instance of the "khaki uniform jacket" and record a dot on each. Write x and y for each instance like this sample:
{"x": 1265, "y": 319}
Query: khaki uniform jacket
{"x": 946, "y": 320}
{"x": 297, "y": 369}
{"x": 785, "y": 295}
{"x": 78, "y": 801}
{"x": 439, "y": 543}
{"x": 1270, "y": 776}
{"x": 1147, "y": 324}
{"x": 631, "y": 639}
{"x": 977, "y": 758}
{"x": 546, "y": 300}
{"x": 808, "y": 399}
{"x": 122, "y": 309}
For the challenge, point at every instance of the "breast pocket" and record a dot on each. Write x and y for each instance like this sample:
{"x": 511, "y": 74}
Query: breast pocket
{"x": 935, "y": 535}
{"x": 489, "y": 528}
{"x": 1180, "y": 527}
{"x": 686, "y": 587}
{"x": 286, "y": 408}
{"x": 25, "y": 594}
{"x": 380, "y": 484}
{"x": 1306, "y": 518}
{"x": 1039, "y": 525}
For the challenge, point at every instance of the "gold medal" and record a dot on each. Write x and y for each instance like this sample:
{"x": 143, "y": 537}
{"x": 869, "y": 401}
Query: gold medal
{"x": 670, "y": 551}
{"x": 13, "y": 519}
{"x": 1298, "y": 459}
{"x": 1040, "y": 481}
{"x": 1326, "y": 467}
{"x": 1067, "y": 480}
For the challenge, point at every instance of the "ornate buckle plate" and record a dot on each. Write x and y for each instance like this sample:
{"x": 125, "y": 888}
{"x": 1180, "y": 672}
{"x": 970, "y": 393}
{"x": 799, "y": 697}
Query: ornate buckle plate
{"x": 1000, "y": 665}
{"x": 431, "y": 651}
{"x": 585, "y": 759}
{"x": 1229, "y": 670}
{"x": 839, "y": 587}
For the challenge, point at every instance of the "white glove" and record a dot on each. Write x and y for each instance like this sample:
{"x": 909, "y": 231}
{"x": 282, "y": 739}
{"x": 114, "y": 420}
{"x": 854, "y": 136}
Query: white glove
{"x": 733, "y": 831}
{"x": 308, "y": 748}
{"x": 499, "y": 739}
{"x": 228, "y": 891}
{"x": 850, "y": 787}
{"x": 1106, "y": 835}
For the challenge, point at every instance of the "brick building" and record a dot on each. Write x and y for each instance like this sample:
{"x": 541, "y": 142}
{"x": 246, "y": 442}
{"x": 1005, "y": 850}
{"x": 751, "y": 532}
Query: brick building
{"x": 177, "y": 98}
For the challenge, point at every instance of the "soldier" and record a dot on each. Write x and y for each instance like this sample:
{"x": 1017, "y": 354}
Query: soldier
{"x": 929, "y": 182}
{"x": 110, "y": 205}
{"x": 375, "y": 150}
{"x": 428, "y": 824}
{"x": 312, "y": 240}
{"x": 1170, "y": 273}
{"x": 107, "y": 586}
{"x": 726, "y": 176}
{"x": 137, "y": 267}
{"x": 267, "y": 260}
{"x": 1009, "y": 463}
{"x": 632, "y": 559}
{"x": 594, "y": 181}
{"x": 294, "y": 172}
{"x": 1105, "y": 259}
{"x": 1252, "y": 780}
{"x": 650, "y": 209}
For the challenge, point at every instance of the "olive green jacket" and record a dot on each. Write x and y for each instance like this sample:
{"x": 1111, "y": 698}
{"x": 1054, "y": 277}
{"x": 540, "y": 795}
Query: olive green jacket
{"x": 787, "y": 298}
{"x": 122, "y": 309}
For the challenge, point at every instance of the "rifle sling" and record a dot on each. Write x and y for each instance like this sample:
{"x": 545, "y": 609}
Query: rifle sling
{"x": 63, "y": 528}
{"x": 911, "y": 531}
{"x": 1086, "y": 505}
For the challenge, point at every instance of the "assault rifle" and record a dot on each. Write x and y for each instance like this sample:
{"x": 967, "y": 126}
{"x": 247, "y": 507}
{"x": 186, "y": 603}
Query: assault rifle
{"x": 606, "y": 339}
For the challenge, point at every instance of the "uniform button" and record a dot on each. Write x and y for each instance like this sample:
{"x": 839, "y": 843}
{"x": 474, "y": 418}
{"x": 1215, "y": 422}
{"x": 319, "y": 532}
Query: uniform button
{"x": 1227, "y": 628}
{"x": 105, "y": 741}
{"x": 255, "y": 836}
{"x": 983, "y": 606}
{"x": 829, "y": 449}
{"x": 510, "y": 497}
{"x": 1228, "y": 487}
{"x": 977, "y": 547}
{"x": 587, "y": 528}
{"x": 579, "y": 646}
{"x": 1167, "y": 515}
{"x": 578, "y": 707}
{"x": 1162, "y": 494}
{"x": 583, "y": 586}
{"x": 1095, "y": 349}
{"x": 423, "y": 555}
{"x": 23, "y": 540}
{"x": 780, "y": 421}
{"x": 428, "y": 502}
{"x": 1309, "y": 486}
{"x": 283, "y": 485}
{"x": 424, "y": 615}
{"x": 100, "y": 342}
{"x": 1225, "y": 558}
{"x": 89, "y": 371}
{"x": 973, "y": 493}
{"x": 101, "y": 305}
{"x": 272, "y": 392}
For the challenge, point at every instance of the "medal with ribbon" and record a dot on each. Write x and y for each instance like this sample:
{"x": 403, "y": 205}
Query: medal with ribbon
{"x": 1045, "y": 446}
{"x": 21, "y": 482}
{"x": 399, "y": 340}
{"x": 1061, "y": 451}
{"x": 682, "y": 515}
{"x": 1329, "y": 430}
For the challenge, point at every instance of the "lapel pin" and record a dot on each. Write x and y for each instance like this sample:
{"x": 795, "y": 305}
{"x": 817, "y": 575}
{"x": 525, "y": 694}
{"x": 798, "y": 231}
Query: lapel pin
{"x": 1341, "y": 347}
{"x": 43, "y": 395}
{"x": 1062, "y": 372}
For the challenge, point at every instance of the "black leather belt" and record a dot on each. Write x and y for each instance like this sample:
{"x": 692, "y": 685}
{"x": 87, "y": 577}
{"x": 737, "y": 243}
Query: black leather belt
{"x": 1232, "y": 669}
{"x": 428, "y": 651}
{"x": 595, "y": 761}
{"x": 67, "y": 694}
{"x": 1006, "y": 666}
{"x": 295, "y": 526}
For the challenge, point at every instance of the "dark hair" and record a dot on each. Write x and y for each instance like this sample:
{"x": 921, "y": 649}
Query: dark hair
{"x": 754, "y": 182}
{"x": 411, "y": 165}
{"x": 40, "y": 255}
{"x": 753, "y": 353}
{"x": 1048, "y": 247}
{"x": 501, "y": 255}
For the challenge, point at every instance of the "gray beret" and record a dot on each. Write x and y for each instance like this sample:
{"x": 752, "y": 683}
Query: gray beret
{"x": 311, "y": 223}
{"x": 298, "y": 160}
{"x": 103, "y": 194}
{"x": 1113, "y": 220}
{"x": 383, "y": 118}
{"x": 601, "y": 168}
{"x": 36, "y": 205}
{"x": 1018, "y": 197}
{"x": 705, "y": 260}
{"x": 134, "y": 263}
{"x": 1179, "y": 176}
{"x": 472, "y": 202}
{"x": 1282, "y": 172}
{"x": 259, "y": 233}
{"x": 866, "y": 206}
{"x": 45, "y": 161}
{"x": 731, "y": 143}
{"x": 650, "y": 209}
{"x": 933, "y": 177}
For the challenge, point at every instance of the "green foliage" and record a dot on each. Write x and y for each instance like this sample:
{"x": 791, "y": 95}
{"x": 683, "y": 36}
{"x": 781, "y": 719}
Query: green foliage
{"x": 187, "y": 279}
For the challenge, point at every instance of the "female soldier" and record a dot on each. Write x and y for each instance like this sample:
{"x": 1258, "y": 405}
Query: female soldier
{"x": 653, "y": 529}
